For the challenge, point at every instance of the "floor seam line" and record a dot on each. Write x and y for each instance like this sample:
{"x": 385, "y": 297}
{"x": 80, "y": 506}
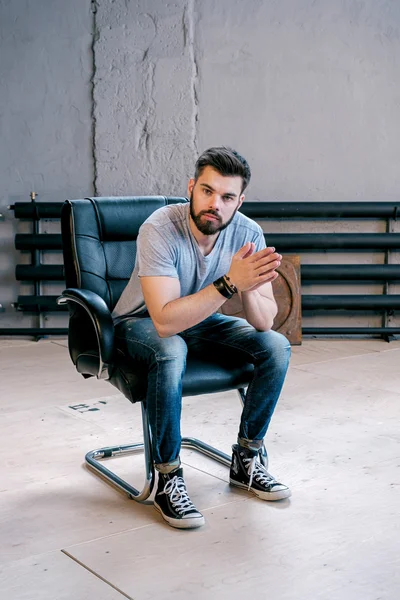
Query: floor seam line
{"x": 319, "y": 362}
{"x": 115, "y": 533}
{"x": 342, "y": 380}
{"x": 185, "y": 462}
{"x": 96, "y": 575}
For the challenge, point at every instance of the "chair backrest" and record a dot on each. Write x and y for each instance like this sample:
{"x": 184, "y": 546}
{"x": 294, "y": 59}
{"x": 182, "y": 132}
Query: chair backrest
{"x": 99, "y": 241}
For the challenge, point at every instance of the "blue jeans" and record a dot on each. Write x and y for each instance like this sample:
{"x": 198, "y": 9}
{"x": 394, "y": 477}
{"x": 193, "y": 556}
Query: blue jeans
{"x": 165, "y": 358}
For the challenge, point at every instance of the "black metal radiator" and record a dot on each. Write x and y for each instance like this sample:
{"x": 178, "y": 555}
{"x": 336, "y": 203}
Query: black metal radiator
{"x": 383, "y": 274}
{"x": 332, "y": 274}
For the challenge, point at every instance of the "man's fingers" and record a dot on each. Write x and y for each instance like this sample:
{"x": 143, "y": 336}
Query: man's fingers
{"x": 265, "y": 252}
{"x": 265, "y": 258}
{"x": 250, "y": 251}
{"x": 264, "y": 279}
{"x": 244, "y": 250}
{"x": 268, "y": 275}
{"x": 270, "y": 279}
{"x": 267, "y": 267}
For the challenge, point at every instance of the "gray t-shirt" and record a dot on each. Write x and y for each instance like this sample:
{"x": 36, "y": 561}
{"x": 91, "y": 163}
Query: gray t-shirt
{"x": 166, "y": 247}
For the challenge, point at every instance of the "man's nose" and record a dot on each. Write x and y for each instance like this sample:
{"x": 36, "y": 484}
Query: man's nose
{"x": 214, "y": 201}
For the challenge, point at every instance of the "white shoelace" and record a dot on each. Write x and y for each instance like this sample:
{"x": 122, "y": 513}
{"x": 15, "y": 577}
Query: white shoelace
{"x": 176, "y": 490}
{"x": 256, "y": 470}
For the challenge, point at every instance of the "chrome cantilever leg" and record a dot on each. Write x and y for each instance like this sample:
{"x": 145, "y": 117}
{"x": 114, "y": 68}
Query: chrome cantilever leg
{"x": 210, "y": 451}
{"x": 94, "y": 457}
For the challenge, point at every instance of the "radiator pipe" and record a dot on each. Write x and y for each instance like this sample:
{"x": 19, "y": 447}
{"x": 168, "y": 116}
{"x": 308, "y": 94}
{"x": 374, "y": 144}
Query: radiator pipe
{"x": 350, "y": 330}
{"x": 308, "y": 302}
{"x": 41, "y": 210}
{"x": 34, "y": 331}
{"x": 282, "y": 241}
{"x": 308, "y": 273}
{"x": 42, "y": 272}
{"x": 332, "y": 241}
{"x": 350, "y": 272}
{"x": 41, "y": 241}
{"x": 36, "y": 303}
{"x": 350, "y": 302}
{"x": 321, "y": 210}
{"x": 261, "y": 210}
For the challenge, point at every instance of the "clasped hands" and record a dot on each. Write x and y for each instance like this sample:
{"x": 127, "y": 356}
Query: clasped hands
{"x": 250, "y": 270}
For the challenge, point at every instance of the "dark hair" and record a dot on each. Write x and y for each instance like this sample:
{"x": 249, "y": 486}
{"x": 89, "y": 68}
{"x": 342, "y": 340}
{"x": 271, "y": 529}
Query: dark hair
{"x": 226, "y": 161}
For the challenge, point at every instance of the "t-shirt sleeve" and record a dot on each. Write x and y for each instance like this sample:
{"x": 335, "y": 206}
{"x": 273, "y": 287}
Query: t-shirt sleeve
{"x": 155, "y": 253}
{"x": 259, "y": 239}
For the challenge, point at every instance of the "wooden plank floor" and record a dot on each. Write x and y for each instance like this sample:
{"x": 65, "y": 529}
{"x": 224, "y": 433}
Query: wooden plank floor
{"x": 334, "y": 439}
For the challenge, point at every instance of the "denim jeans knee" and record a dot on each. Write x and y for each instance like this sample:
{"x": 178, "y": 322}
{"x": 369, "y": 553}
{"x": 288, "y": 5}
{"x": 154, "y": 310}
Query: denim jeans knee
{"x": 271, "y": 363}
{"x": 268, "y": 351}
{"x": 166, "y": 363}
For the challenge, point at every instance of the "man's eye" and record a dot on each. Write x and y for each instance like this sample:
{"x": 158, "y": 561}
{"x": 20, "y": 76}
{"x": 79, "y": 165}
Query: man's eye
{"x": 207, "y": 192}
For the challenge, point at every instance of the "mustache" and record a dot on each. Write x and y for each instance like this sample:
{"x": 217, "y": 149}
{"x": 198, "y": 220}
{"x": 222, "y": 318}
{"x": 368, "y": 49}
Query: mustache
{"x": 210, "y": 212}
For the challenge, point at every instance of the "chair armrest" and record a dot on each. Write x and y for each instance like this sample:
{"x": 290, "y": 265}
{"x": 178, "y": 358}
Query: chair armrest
{"x": 100, "y": 316}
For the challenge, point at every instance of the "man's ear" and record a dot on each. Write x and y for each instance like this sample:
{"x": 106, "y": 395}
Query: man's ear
{"x": 241, "y": 200}
{"x": 191, "y": 186}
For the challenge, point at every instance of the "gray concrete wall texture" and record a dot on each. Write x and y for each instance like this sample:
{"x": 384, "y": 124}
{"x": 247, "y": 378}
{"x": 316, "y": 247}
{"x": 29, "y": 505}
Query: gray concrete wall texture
{"x": 144, "y": 92}
{"x": 120, "y": 97}
{"x": 309, "y": 90}
{"x": 46, "y": 126}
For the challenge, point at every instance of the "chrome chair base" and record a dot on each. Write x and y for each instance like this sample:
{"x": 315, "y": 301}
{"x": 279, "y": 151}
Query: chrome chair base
{"x": 94, "y": 457}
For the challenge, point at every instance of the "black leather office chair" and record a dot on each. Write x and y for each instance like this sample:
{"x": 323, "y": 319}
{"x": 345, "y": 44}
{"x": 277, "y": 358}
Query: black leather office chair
{"x": 99, "y": 245}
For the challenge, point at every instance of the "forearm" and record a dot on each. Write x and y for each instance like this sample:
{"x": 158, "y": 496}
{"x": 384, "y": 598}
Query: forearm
{"x": 182, "y": 313}
{"x": 259, "y": 310}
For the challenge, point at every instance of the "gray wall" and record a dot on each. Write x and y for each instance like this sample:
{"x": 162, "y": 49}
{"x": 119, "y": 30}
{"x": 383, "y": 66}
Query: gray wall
{"x": 307, "y": 90}
{"x": 45, "y": 121}
{"x": 145, "y": 105}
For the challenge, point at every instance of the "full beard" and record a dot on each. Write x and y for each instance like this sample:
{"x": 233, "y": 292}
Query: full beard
{"x": 208, "y": 227}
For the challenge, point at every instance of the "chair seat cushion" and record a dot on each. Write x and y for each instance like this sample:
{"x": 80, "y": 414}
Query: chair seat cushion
{"x": 201, "y": 377}
{"x": 207, "y": 377}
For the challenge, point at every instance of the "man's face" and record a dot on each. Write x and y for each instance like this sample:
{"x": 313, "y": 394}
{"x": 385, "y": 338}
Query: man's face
{"x": 214, "y": 200}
